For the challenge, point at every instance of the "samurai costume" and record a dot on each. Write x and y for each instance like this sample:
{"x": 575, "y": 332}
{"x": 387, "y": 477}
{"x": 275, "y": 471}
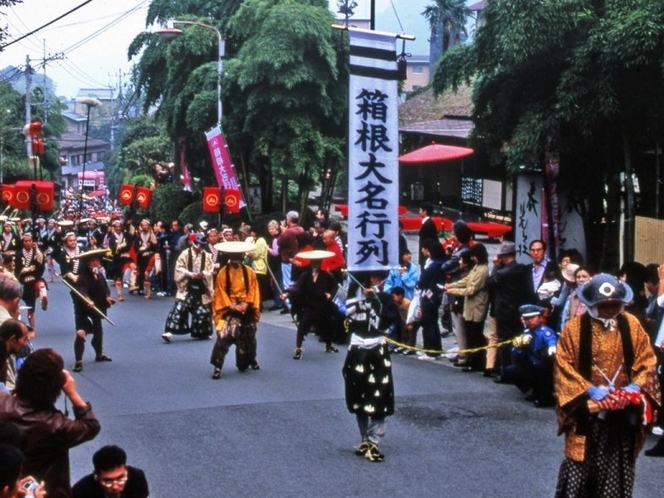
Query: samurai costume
{"x": 236, "y": 284}
{"x": 599, "y": 357}
{"x": 367, "y": 370}
{"x": 193, "y": 296}
{"x": 91, "y": 283}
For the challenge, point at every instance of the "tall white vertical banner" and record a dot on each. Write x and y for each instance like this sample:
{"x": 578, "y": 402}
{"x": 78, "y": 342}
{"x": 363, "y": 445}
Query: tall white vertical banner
{"x": 373, "y": 171}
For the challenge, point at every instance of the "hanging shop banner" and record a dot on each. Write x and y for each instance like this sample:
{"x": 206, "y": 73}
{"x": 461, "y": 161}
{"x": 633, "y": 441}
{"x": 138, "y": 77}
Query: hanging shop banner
{"x": 221, "y": 160}
{"x": 373, "y": 178}
{"x": 530, "y": 220}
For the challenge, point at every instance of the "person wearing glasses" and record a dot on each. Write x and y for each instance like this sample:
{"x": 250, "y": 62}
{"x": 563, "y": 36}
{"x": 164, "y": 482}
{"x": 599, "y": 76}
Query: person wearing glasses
{"x": 112, "y": 477}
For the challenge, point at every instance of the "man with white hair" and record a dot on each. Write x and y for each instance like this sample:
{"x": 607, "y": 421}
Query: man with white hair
{"x": 288, "y": 247}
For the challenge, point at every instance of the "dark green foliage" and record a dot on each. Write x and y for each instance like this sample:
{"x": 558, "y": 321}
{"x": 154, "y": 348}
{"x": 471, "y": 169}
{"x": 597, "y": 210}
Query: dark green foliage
{"x": 582, "y": 77}
{"x": 168, "y": 201}
{"x": 284, "y": 99}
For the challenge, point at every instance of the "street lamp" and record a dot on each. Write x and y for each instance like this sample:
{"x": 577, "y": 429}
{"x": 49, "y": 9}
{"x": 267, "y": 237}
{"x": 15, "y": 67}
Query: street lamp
{"x": 170, "y": 32}
{"x": 89, "y": 102}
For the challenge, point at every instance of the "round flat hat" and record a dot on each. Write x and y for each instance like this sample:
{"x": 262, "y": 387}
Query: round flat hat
{"x": 317, "y": 254}
{"x": 234, "y": 246}
{"x": 94, "y": 253}
{"x": 66, "y": 223}
{"x": 604, "y": 288}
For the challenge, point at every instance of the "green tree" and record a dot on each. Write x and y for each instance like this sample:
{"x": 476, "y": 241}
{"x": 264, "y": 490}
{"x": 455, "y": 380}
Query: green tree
{"x": 578, "y": 79}
{"x": 283, "y": 99}
{"x": 447, "y": 17}
{"x": 290, "y": 96}
{"x": 144, "y": 144}
{"x": 179, "y": 77}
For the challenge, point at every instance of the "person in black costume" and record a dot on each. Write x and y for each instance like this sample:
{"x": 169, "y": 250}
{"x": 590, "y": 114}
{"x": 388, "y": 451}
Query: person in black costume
{"x": 92, "y": 285}
{"x": 311, "y": 297}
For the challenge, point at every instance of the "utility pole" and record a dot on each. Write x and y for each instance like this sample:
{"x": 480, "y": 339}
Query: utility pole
{"x": 28, "y": 105}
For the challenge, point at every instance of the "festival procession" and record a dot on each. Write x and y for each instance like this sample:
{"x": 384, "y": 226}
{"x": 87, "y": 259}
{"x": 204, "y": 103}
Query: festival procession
{"x": 397, "y": 253}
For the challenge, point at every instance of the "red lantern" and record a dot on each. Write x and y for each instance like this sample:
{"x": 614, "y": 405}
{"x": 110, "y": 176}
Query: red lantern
{"x": 126, "y": 196}
{"x": 35, "y": 129}
{"x": 144, "y": 197}
{"x": 232, "y": 198}
{"x": 211, "y": 199}
{"x": 37, "y": 147}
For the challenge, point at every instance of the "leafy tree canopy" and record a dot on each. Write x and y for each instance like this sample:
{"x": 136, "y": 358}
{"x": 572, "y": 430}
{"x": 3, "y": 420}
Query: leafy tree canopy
{"x": 578, "y": 66}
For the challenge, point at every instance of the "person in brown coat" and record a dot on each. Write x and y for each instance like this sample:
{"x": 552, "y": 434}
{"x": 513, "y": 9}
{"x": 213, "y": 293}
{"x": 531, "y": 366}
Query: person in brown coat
{"x": 48, "y": 432}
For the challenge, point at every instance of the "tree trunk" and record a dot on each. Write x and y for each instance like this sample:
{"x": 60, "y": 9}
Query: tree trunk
{"x": 284, "y": 194}
{"x": 629, "y": 200}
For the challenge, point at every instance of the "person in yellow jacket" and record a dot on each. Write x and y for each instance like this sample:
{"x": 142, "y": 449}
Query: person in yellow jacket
{"x": 236, "y": 309}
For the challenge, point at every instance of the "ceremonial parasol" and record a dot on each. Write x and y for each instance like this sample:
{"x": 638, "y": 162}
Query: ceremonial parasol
{"x": 435, "y": 153}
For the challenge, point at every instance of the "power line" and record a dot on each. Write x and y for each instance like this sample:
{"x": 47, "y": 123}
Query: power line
{"x": 397, "y": 16}
{"x": 69, "y": 66}
{"x": 45, "y": 25}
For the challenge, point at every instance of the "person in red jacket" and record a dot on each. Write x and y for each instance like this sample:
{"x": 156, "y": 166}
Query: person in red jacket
{"x": 337, "y": 262}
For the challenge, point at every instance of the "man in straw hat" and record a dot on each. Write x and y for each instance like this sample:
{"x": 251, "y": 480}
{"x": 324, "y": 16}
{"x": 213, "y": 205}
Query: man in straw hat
{"x": 193, "y": 278}
{"x": 606, "y": 384}
{"x": 312, "y": 298}
{"x": 236, "y": 309}
{"x": 94, "y": 293}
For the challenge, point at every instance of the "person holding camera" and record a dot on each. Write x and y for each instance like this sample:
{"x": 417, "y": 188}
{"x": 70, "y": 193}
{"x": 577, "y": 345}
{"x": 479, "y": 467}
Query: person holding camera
{"x": 12, "y": 485}
{"x": 49, "y": 433}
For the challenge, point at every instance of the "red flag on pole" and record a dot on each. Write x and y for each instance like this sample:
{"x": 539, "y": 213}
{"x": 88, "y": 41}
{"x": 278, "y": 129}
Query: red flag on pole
{"x": 222, "y": 163}
{"x": 126, "y": 196}
{"x": 233, "y": 198}
{"x": 211, "y": 199}
{"x": 144, "y": 197}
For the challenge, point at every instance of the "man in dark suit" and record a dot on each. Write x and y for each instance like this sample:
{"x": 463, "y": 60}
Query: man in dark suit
{"x": 427, "y": 231}
{"x": 510, "y": 286}
{"x": 540, "y": 265}
{"x": 112, "y": 477}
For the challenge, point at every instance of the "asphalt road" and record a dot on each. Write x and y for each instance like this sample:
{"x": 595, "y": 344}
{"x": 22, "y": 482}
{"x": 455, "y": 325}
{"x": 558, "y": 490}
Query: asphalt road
{"x": 284, "y": 430}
